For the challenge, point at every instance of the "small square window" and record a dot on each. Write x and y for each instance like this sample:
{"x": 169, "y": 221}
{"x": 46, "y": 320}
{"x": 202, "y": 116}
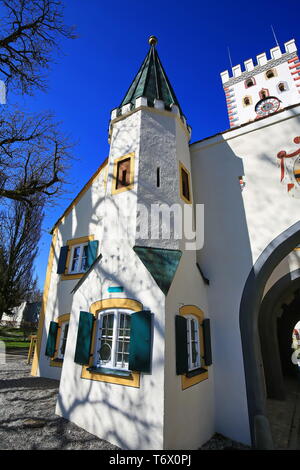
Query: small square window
{"x": 78, "y": 262}
{"x": 123, "y": 173}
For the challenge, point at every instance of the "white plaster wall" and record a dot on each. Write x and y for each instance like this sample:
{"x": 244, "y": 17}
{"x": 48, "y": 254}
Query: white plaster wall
{"x": 189, "y": 413}
{"x": 84, "y": 219}
{"x": 131, "y": 418}
{"x": 163, "y": 144}
{"x": 238, "y": 226}
{"x": 289, "y": 97}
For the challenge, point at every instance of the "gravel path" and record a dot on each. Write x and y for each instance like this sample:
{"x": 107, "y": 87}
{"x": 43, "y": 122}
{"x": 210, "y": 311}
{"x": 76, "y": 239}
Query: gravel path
{"x": 28, "y": 420}
{"x": 27, "y": 416}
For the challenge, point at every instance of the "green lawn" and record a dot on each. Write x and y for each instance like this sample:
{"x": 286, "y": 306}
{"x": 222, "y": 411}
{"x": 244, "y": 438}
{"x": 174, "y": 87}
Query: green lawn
{"x": 14, "y": 337}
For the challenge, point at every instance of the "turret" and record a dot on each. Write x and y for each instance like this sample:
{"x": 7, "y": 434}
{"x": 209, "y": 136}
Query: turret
{"x": 149, "y": 164}
{"x": 262, "y": 89}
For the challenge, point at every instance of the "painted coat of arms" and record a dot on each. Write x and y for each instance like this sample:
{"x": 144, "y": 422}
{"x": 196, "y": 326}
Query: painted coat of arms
{"x": 289, "y": 163}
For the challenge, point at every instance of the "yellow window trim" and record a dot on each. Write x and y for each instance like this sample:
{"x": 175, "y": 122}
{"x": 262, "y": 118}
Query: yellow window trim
{"x": 115, "y": 172}
{"x": 182, "y": 167}
{"x": 95, "y": 308}
{"x": 187, "y": 382}
{"x": 70, "y": 243}
{"x": 60, "y": 320}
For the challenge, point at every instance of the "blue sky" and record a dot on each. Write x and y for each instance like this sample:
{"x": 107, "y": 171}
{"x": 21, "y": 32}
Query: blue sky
{"x": 92, "y": 74}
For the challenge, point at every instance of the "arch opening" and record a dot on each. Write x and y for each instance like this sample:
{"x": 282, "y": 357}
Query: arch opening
{"x": 252, "y": 301}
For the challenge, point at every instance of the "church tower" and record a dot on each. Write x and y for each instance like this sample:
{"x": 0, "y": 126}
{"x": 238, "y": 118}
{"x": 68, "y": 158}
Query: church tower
{"x": 265, "y": 88}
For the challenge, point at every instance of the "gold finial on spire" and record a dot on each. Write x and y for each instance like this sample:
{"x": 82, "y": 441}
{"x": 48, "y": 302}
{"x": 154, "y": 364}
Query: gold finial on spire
{"x": 153, "y": 40}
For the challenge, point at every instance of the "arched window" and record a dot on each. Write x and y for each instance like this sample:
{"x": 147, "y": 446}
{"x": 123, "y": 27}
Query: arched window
{"x": 247, "y": 101}
{"x": 270, "y": 73}
{"x": 113, "y": 338}
{"x": 282, "y": 86}
{"x": 263, "y": 93}
{"x": 249, "y": 82}
{"x": 193, "y": 343}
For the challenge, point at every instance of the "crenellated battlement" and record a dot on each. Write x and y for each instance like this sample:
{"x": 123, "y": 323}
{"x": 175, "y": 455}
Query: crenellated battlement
{"x": 143, "y": 102}
{"x": 263, "y": 63}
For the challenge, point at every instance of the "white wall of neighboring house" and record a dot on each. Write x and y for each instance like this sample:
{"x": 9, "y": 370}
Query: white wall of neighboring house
{"x": 17, "y": 316}
{"x": 237, "y": 229}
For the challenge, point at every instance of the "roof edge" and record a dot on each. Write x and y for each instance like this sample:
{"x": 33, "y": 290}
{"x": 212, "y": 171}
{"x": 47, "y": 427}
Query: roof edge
{"x": 80, "y": 194}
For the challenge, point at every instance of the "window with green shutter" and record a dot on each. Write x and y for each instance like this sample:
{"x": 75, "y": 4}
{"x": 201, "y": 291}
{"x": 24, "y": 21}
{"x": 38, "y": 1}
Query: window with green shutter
{"x": 77, "y": 257}
{"x": 122, "y": 342}
{"x": 51, "y": 340}
{"x": 62, "y": 260}
{"x": 140, "y": 341}
{"x": 193, "y": 346}
{"x": 84, "y": 338}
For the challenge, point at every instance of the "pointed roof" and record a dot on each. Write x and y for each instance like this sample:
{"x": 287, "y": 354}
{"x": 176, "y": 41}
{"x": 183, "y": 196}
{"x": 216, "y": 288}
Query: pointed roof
{"x": 151, "y": 81}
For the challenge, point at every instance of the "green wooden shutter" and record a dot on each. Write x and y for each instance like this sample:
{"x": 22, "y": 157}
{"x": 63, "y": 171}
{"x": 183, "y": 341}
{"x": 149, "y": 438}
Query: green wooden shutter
{"x": 62, "y": 260}
{"x": 92, "y": 252}
{"x": 84, "y": 338}
{"x": 51, "y": 340}
{"x": 140, "y": 341}
{"x": 207, "y": 342}
{"x": 182, "y": 364}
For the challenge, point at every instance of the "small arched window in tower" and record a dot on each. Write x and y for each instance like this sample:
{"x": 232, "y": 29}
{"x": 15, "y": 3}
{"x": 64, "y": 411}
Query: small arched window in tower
{"x": 123, "y": 173}
{"x": 270, "y": 73}
{"x": 250, "y": 82}
{"x": 282, "y": 86}
{"x": 264, "y": 93}
{"x": 247, "y": 101}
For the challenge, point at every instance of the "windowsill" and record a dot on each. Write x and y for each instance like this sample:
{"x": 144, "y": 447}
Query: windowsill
{"x": 193, "y": 373}
{"x": 68, "y": 276}
{"x": 107, "y": 371}
{"x": 56, "y": 362}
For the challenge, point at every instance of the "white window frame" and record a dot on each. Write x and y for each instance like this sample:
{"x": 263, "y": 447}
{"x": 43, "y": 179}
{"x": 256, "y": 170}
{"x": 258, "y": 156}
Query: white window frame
{"x": 196, "y": 365}
{"x": 81, "y": 251}
{"x": 63, "y": 327}
{"x": 112, "y": 363}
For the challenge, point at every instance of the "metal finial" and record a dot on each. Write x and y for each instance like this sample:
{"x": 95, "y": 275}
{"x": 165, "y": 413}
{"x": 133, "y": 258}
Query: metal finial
{"x": 153, "y": 40}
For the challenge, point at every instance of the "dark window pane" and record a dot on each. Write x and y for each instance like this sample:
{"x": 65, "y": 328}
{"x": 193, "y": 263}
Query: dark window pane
{"x": 185, "y": 184}
{"x": 123, "y": 173}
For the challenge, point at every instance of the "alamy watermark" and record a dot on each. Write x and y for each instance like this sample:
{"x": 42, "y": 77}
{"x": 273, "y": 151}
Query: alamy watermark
{"x": 164, "y": 222}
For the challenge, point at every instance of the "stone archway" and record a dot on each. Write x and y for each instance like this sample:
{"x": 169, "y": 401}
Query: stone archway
{"x": 268, "y": 319}
{"x": 250, "y": 305}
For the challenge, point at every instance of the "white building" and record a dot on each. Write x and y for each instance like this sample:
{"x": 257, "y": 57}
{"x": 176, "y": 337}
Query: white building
{"x": 157, "y": 345}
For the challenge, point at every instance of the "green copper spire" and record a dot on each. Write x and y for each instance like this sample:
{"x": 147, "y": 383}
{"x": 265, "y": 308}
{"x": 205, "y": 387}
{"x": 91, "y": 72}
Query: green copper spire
{"x": 151, "y": 81}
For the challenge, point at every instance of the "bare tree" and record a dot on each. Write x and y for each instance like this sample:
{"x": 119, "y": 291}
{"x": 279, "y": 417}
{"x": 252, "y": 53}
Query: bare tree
{"x": 20, "y": 232}
{"x": 29, "y": 33}
{"x": 33, "y": 150}
{"x": 33, "y": 156}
